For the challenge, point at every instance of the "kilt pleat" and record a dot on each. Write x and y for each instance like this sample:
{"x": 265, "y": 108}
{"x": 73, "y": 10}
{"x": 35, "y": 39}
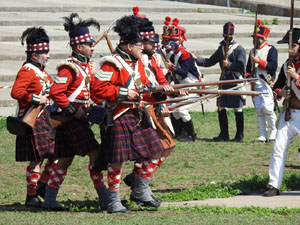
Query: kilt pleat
{"x": 75, "y": 138}
{"x": 126, "y": 141}
{"x": 37, "y": 144}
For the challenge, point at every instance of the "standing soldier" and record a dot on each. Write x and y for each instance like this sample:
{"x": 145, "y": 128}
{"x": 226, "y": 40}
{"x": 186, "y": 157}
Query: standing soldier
{"x": 131, "y": 137}
{"x": 185, "y": 70}
{"x": 287, "y": 130}
{"x": 265, "y": 70}
{"x": 71, "y": 93}
{"x": 31, "y": 89}
{"x": 234, "y": 67}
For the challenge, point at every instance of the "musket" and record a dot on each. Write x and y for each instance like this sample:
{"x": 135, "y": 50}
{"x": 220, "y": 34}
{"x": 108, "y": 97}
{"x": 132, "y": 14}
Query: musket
{"x": 105, "y": 33}
{"x": 223, "y": 92}
{"x": 253, "y": 72}
{"x": 290, "y": 63}
{"x": 201, "y": 99}
{"x": 223, "y": 68}
{"x": 160, "y": 88}
{"x": 205, "y": 97}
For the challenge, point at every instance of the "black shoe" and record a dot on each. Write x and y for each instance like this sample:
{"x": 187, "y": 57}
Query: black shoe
{"x": 237, "y": 139}
{"x": 128, "y": 180}
{"x": 41, "y": 189}
{"x": 220, "y": 138}
{"x": 271, "y": 191}
{"x": 157, "y": 199}
{"x": 152, "y": 203}
{"x": 185, "y": 139}
{"x": 33, "y": 201}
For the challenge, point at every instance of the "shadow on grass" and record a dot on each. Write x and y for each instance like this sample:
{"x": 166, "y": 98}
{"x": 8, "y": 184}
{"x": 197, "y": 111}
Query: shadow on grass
{"x": 258, "y": 183}
{"x": 91, "y": 206}
{"x": 168, "y": 190}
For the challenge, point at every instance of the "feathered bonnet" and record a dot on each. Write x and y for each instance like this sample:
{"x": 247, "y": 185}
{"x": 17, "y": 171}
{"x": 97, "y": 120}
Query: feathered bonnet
{"x": 128, "y": 28}
{"x": 37, "y": 40}
{"x": 78, "y": 30}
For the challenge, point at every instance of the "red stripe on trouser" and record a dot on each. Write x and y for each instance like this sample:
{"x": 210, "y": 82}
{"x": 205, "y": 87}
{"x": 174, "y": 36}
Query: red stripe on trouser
{"x": 57, "y": 176}
{"x": 32, "y": 177}
{"x": 97, "y": 177}
{"x": 113, "y": 178}
{"x": 146, "y": 168}
{"x": 46, "y": 172}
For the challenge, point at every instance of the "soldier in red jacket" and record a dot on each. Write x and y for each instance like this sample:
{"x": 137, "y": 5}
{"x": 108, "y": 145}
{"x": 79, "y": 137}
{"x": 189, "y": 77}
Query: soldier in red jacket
{"x": 131, "y": 137}
{"x": 156, "y": 77}
{"x": 71, "y": 94}
{"x": 31, "y": 89}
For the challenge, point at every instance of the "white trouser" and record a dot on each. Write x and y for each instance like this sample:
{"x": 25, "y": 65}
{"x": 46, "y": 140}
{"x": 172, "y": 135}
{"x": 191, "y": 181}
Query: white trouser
{"x": 285, "y": 134}
{"x": 266, "y": 117}
{"x": 183, "y": 112}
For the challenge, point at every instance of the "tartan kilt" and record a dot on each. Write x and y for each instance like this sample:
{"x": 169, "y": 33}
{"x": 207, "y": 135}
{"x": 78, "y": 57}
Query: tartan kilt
{"x": 37, "y": 144}
{"x": 75, "y": 138}
{"x": 161, "y": 129}
{"x": 126, "y": 141}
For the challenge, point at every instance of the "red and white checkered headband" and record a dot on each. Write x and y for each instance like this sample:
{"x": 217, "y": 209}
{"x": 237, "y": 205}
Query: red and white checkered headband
{"x": 81, "y": 39}
{"x": 147, "y": 34}
{"x": 38, "y": 47}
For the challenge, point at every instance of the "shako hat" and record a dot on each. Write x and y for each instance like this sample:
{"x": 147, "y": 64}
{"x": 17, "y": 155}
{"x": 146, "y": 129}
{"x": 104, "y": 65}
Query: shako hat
{"x": 295, "y": 39}
{"x": 228, "y": 28}
{"x": 78, "y": 30}
{"x": 262, "y": 30}
{"x": 37, "y": 40}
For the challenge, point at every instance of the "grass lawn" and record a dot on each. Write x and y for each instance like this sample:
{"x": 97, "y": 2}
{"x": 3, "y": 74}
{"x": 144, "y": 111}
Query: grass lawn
{"x": 199, "y": 170}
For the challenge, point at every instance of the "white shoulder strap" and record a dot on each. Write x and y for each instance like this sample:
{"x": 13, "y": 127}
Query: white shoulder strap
{"x": 39, "y": 73}
{"x": 73, "y": 96}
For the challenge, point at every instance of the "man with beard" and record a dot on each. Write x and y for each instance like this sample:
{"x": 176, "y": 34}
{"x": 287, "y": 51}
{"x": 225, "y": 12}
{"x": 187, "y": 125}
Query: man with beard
{"x": 31, "y": 89}
{"x": 71, "y": 93}
{"x": 131, "y": 136}
{"x": 156, "y": 77}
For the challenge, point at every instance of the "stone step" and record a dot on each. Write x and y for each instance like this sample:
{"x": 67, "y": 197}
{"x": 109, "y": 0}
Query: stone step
{"x": 57, "y": 33}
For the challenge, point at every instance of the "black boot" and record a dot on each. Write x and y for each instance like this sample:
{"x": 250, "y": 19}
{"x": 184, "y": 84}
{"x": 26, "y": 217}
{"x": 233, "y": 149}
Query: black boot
{"x": 41, "y": 189}
{"x": 239, "y": 119}
{"x": 177, "y": 126}
{"x": 191, "y": 135}
{"x": 223, "y": 123}
{"x": 33, "y": 201}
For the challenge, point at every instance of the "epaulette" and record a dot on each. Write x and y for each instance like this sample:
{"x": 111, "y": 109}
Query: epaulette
{"x": 112, "y": 60}
{"x": 68, "y": 64}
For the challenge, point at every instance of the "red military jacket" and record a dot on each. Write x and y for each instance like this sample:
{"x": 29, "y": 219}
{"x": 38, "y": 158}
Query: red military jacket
{"x": 28, "y": 86}
{"x": 160, "y": 77}
{"x": 113, "y": 82}
{"x": 69, "y": 77}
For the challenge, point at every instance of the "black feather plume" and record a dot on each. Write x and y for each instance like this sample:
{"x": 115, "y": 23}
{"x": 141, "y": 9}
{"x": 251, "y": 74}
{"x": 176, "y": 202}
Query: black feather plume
{"x": 71, "y": 25}
{"x": 30, "y": 34}
{"x": 128, "y": 27}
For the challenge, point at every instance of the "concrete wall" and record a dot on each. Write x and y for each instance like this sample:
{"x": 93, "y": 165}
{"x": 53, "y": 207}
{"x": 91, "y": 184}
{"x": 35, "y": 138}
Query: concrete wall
{"x": 275, "y": 7}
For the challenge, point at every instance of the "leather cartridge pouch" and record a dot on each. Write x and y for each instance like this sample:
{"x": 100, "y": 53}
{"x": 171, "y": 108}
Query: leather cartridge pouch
{"x": 16, "y": 126}
{"x": 294, "y": 103}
